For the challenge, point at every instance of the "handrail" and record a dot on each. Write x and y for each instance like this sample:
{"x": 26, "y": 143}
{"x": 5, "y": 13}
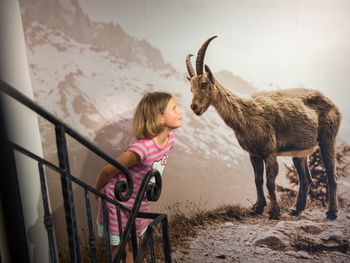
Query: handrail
{"x": 59, "y": 171}
{"x": 147, "y": 237}
{"x": 152, "y": 193}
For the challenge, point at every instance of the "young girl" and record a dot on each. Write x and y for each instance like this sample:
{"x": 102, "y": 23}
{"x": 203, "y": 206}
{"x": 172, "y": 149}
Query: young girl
{"x": 155, "y": 117}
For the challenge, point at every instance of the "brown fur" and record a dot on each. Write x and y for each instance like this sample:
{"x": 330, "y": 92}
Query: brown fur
{"x": 270, "y": 124}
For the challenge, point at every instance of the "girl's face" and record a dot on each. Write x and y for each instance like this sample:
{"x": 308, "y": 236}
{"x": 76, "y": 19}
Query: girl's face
{"x": 172, "y": 115}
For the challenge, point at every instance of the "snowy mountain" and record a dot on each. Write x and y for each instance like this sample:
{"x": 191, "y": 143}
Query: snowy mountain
{"x": 68, "y": 17}
{"x": 91, "y": 75}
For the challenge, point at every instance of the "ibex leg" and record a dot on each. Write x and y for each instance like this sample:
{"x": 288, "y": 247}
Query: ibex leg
{"x": 304, "y": 174}
{"x": 271, "y": 173}
{"x": 328, "y": 158}
{"x": 258, "y": 166}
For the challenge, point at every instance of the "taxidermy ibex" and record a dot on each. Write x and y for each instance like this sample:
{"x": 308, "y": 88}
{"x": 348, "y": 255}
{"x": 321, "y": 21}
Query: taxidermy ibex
{"x": 270, "y": 124}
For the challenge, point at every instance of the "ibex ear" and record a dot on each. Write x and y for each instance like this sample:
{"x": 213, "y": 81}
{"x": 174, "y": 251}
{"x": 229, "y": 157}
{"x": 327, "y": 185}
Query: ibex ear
{"x": 209, "y": 74}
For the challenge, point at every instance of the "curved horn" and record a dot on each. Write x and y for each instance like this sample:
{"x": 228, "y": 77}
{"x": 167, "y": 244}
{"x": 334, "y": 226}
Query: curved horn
{"x": 200, "y": 56}
{"x": 189, "y": 66}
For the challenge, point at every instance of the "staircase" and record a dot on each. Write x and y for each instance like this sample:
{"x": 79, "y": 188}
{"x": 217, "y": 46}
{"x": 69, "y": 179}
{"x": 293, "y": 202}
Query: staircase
{"x": 123, "y": 191}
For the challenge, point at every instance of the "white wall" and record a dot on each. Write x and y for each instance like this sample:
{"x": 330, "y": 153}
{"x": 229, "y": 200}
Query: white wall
{"x": 22, "y": 127}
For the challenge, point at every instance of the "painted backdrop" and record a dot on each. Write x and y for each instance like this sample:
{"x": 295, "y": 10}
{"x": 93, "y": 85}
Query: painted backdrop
{"x": 91, "y": 61}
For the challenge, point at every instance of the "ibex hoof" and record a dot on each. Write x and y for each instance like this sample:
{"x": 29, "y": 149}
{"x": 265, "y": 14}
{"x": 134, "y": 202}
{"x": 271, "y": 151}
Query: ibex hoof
{"x": 257, "y": 209}
{"x": 255, "y": 213}
{"x": 274, "y": 215}
{"x": 331, "y": 214}
{"x": 294, "y": 212}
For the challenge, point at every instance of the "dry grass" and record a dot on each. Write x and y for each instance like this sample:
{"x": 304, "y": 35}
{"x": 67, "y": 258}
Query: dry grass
{"x": 181, "y": 226}
{"x": 184, "y": 225}
{"x": 85, "y": 251}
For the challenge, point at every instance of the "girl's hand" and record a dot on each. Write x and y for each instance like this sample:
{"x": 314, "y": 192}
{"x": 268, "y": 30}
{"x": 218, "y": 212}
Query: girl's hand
{"x": 127, "y": 158}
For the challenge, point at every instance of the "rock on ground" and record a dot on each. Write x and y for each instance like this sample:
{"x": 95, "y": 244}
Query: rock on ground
{"x": 308, "y": 238}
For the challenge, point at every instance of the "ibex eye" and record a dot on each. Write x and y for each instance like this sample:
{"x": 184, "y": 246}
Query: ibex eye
{"x": 204, "y": 85}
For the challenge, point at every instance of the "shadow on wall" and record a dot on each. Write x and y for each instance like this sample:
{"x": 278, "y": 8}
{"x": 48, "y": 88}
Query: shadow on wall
{"x": 36, "y": 241}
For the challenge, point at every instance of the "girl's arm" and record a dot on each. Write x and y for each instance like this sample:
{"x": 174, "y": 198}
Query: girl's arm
{"x": 127, "y": 158}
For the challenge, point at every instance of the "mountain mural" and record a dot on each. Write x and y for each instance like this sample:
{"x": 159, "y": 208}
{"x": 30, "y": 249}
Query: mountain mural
{"x": 92, "y": 74}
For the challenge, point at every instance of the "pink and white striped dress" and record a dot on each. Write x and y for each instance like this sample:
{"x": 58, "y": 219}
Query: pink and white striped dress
{"x": 151, "y": 157}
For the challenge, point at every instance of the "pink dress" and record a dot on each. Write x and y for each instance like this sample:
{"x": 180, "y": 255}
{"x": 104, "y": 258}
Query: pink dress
{"x": 151, "y": 157}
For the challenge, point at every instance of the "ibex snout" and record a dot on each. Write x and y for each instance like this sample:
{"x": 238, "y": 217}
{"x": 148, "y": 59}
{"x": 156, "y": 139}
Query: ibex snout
{"x": 194, "y": 107}
{"x": 198, "y": 109}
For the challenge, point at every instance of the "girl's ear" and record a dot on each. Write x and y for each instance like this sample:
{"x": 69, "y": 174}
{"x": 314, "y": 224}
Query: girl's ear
{"x": 161, "y": 119}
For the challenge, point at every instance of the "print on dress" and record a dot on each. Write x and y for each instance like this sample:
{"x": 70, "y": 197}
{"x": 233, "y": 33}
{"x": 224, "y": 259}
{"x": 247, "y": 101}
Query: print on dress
{"x": 159, "y": 165}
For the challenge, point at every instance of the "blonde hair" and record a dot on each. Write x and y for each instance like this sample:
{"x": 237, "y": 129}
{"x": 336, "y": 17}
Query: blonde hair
{"x": 146, "y": 116}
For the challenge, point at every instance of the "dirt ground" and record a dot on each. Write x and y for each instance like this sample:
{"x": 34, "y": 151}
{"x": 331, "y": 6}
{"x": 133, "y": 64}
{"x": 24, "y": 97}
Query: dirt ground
{"x": 307, "y": 238}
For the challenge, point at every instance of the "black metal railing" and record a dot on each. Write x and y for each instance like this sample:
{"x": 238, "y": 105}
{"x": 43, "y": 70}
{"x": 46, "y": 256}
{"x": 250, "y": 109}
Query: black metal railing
{"x": 123, "y": 191}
